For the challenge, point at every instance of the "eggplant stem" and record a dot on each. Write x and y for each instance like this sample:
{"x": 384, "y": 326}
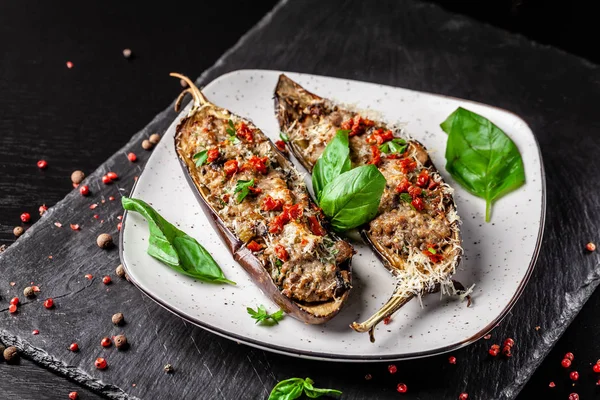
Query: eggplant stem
{"x": 193, "y": 90}
{"x": 393, "y": 304}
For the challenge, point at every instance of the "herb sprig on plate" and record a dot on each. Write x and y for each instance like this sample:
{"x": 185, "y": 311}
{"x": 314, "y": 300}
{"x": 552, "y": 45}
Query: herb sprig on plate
{"x": 263, "y": 317}
{"x": 292, "y": 388}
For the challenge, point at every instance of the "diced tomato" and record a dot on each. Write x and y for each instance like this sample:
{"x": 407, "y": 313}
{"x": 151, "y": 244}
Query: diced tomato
{"x": 231, "y": 167}
{"x": 376, "y": 153}
{"x": 277, "y": 223}
{"x": 315, "y": 226}
{"x": 254, "y": 247}
{"x": 271, "y": 204}
{"x": 294, "y": 211}
{"x": 415, "y": 191}
{"x": 280, "y": 145}
{"x": 380, "y": 136}
{"x": 259, "y": 164}
{"x": 357, "y": 125}
{"x": 254, "y": 190}
{"x": 212, "y": 155}
{"x": 226, "y": 197}
{"x": 432, "y": 184}
{"x": 281, "y": 253}
{"x": 418, "y": 203}
{"x": 244, "y": 132}
{"x": 407, "y": 164}
{"x": 403, "y": 185}
{"x": 423, "y": 178}
{"x": 435, "y": 258}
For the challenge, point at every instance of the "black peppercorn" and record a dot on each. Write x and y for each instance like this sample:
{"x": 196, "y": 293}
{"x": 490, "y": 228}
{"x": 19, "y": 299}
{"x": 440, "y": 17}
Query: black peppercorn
{"x": 147, "y": 145}
{"x": 18, "y": 231}
{"x": 104, "y": 241}
{"x": 118, "y": 318}
{"x": 120, "y": 342}
{"x": 28, "y": 292}
{"x": 168, "y": 368}
{"x": 120, "y": 271}
{"x": 11, "y": 354}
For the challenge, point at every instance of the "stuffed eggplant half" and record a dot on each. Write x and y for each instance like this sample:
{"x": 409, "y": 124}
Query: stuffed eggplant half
{"x": 416, "y": 230}
{"x": 260, "y": 206}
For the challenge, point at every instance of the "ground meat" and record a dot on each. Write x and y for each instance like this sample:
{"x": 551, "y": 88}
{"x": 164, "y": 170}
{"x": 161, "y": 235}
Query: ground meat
{"x": 344, "y": 251}
{"x": 309, "y": 282}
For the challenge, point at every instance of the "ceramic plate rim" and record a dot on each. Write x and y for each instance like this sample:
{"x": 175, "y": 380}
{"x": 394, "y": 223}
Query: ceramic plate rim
{"x": 353, "y": 358}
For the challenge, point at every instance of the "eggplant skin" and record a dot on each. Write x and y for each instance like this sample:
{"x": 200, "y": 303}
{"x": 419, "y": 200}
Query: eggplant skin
{"x": 307, "y": 312}
{"x": 400, "y": 235}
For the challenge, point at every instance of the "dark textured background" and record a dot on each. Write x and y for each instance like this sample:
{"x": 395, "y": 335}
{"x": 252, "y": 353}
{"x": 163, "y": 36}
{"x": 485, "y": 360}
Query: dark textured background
{"x": 80, "y": 116}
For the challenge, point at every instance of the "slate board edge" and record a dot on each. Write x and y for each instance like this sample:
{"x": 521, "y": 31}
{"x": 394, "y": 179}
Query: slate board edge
{"x": 552, "y": 333}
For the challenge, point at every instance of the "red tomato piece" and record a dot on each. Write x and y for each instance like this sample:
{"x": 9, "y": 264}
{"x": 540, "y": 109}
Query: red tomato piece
{"x": 315, "y": 226}
{"x": 281, "y": 253}
{"x": 212, "y": 155}
{"x": 271, "y": 204}
{"x": 254, "y": 247}
{"x": 230, "y": 167}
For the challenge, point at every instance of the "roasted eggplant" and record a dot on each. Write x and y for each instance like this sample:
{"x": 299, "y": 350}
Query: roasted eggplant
{"x": 260, "y": 206}
{"x": 416, "y": 231}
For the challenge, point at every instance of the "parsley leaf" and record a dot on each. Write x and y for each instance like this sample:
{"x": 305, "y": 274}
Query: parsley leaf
{"x": 262, "y": 316}
{"x": 394, "y": 146}
{"x": 405, "y": 197}
{"x": 242, "y": 189}
{"x": 432, "y": 250}
{"x": 284, "y": 136}
{"x": 201, "y": 158}
{"x": 231, "y": 132}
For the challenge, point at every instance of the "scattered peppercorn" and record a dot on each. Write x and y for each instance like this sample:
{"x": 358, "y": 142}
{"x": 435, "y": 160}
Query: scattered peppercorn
{"x": 183, "y": 83}
{"x": 154, "y": 138}
{"x": 73, "y": 396}
{"x": 113, "y": 176}
{"x": 146, "y": 145}
{"x": 387, "y": 320}
{"x": 401, "y": 388}
{"x": 35, "y": 332}
{"x": 574, "y": 375}
{"x": 452, "y": 360}
{"x": 118, "y": 318}
{"x": 28, "y": 292}
{"x": 494, "y": 350}
{"x": 506, "y": 351}
{"x": 509, "y": 342}
{"x": 77, "y": 177}
{"x": 14, "y": 301}
{"x": 487, "y": 337}
{"x": 25, "y": 217}
{"x": 566, "y": 363}
{"x": 392, "y": 369}
{"x": 596, "y": 368}
{"x": 368, "y": 377}
{"x": 590, "y": 246}
{"x": 104, "y": 241}
{"x": 106, "y": 280}
{"x": 12, "y": 309}
{"x": 552, "y": 384}
{"x": 49, "y": 303}
{"x": 18, "y": 231}
{"x": 132, "y": 157}
{"x": 105, "y": 342}
{"x": 89, "y": 277}
{"x": 84, "y": 190}
{"x": 69, "y": 64}
{"x": 2, "y": 348}
{"x": 11, "y": 354}
{"x": 74, "y": 347}
{"x": 120, "y": 342}
{"x": 42, "y": 164}
{"x": 463, "y": 396}
{"x": 100, "y": 363}
{"x": 570, "y": 356}
{"x": 168, "y": 368}
{"x": 573, "y": 396}
{"x": 106, "y": 180}
{"x": 119, "y": 226}
{"x": 126, "y": 53}
{"x": 42, "y": 209}
{"x": 120, "y": 271}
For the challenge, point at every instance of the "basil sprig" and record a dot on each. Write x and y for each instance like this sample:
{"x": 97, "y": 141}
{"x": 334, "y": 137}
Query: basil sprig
{"x": 349, "y": 197}
{"x": 334, "y": 161}
{"x": 394, "y": 146}
{"x": 201, "y": 158}
{"x": 352, "y": 199}
{"x": 242, "y": 188}
{"x": 174, "y": 247}
{"x": 293, "y": 388}
{"x": 481, "y": 157}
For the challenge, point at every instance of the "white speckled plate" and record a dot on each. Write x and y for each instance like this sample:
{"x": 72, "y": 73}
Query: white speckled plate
{"x": 499, "y": 256}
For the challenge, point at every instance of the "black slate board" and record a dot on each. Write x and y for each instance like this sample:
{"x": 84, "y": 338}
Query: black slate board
{"x": 406, "y": 44}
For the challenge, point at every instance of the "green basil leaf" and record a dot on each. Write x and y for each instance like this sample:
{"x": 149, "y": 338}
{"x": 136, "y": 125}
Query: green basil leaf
{"x": 352, "y": 198}
{"x": 242, "y": 189}
{"x": 201, "y": 158}
{"x": 288, "y": 389}
{"x": 481, "y": 157}
{"x": 394, "y": 146}
{"x": 174, "y": 247}
{"x": 334, "y": 161}
{"x": 283, "y": 136}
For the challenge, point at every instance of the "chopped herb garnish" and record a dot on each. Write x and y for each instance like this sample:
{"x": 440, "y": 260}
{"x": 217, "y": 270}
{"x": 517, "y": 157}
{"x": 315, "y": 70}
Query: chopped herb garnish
{"x": 284, "y": 136}
{"x": 201, "y": 158}
{"x": 278, "y": 262}
{"x": 432, "y": 250}
{"x": 405, "y": 197}
{"x": 262, "y": 316}
{"x": 242, "y": 188}
{"x": 394, "y": 146}
{"x": 231, "y": 132}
